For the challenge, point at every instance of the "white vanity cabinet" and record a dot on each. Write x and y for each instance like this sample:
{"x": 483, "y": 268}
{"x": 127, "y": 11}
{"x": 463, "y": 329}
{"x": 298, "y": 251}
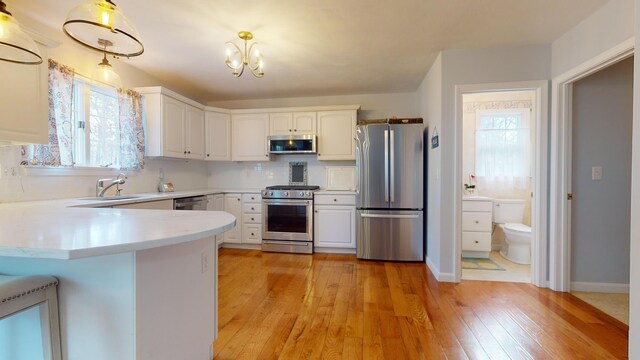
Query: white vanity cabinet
{"x": 216, "y": 203}
{"x": 251, "y": 218}
{"x": 334, "y": 222}
{"x": 337, "y": 135}
{"x": 249, "y": 137}
{"x": 476, "y": 228}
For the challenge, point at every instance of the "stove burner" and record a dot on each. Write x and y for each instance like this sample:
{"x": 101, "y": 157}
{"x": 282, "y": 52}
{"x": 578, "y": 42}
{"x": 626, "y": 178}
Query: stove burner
{"x": 289, "y": 192}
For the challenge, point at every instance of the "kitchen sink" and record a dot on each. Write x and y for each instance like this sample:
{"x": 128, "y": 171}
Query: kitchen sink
{"x": 111, "y": 198}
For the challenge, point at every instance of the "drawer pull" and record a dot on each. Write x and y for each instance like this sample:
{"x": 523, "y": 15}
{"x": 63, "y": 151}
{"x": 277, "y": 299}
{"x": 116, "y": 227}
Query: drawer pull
{"x": 253, "y": 235}
{"x": 335, "y": 200}
{"x": 252, "y": 219}
{"x": 477, "y": 222}
{"x": 477, "y": 241}
{"x": 252, "y": 208}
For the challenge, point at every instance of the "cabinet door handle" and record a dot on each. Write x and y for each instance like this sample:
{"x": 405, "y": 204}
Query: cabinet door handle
{"x": 477, "y": 241}
{"x": 252, "y": 198}
{"x": 252, "y": 219}
{"x": 294, "y": 130}
{"x": 252, "y": 209}
{"x": 252, "y": 234}
{"x": 185, "y": 152}
{"x": 267, "y": 155}
{"x": 477, "y": 222}
{"x": 208, "y": 155}
{"x": 335, "y": 200}
{"x": 188, "y": 152}
{"x": 289, "y": 130}
{"x": 238, "y": 199}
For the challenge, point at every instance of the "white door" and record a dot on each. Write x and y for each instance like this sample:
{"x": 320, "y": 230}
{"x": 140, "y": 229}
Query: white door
{"x": 336, "y": 135}
{"x": 173, "y": 127}
{"x": 304, "y": 122}
{"x": 233, "y": 205}
{"x": 281, "y": 124}
{"x": 195, "y": 133}
{"x": 218, "y": 136}
{"x": 249, "y": 140}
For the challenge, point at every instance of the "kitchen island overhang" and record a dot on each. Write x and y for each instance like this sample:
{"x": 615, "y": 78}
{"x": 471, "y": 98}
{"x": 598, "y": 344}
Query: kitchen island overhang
{"x": 134, "y": 284}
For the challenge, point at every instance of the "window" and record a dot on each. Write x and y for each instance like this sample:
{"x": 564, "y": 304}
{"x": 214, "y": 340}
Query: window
{"x": 96, "y": 125}
{"x": 503, "y": 141}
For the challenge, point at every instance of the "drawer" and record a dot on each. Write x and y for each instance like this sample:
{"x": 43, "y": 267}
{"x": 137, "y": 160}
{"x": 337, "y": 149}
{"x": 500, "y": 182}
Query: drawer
{"x": 252, "y": 208}
{"x": 252, "y": 198}
{"x": 335, "y": 199}
{"x": 476, "y": 221}
{"x": 476, "y": 241}
{"x": 476, "y": 205}
{"x": 251, "y": 218}
{"x": 252, "y": 234}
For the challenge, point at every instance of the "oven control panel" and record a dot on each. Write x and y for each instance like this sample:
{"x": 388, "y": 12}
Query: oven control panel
{"x": 287, "y": 194}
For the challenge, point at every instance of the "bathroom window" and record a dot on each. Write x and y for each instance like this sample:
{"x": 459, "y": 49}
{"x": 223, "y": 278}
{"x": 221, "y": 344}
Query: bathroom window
{"x": 503, "y": 144}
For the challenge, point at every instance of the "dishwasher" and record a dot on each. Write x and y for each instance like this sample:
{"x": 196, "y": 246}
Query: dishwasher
{"x": 191, "y": 203}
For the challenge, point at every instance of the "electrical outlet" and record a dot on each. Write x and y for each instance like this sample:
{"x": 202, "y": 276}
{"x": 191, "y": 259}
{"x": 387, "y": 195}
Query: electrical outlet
{"x": 204, "y": 262}
{"x": 596, "y": 173}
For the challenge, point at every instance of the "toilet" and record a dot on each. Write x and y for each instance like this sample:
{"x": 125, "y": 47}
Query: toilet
{"x": 508, "y": 215}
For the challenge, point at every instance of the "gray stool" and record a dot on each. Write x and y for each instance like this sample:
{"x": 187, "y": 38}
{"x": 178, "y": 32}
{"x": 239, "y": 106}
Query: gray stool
{"x": 19, "y": 293}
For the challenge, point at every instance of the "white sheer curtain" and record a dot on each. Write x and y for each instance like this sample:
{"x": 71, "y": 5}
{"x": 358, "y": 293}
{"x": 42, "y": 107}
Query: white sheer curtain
{"x": 503, "y": 147}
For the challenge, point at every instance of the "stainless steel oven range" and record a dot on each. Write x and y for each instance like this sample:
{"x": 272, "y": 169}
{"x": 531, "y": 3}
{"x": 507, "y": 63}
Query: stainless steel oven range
{"x": 287, "y": 219}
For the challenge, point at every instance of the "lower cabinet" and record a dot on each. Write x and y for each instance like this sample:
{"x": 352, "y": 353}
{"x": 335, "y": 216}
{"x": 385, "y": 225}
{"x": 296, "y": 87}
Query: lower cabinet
{"x": 233, "y": 205}
{"x": 216, "y": 203}
{"x": 334, "y": 222}
{"x": 476, "y": 228}
{"x": 251, "y": 218}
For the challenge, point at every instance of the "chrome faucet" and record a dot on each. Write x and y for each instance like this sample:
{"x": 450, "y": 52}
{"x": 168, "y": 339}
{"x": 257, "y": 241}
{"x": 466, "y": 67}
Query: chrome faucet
{"x": 101, "y": 188}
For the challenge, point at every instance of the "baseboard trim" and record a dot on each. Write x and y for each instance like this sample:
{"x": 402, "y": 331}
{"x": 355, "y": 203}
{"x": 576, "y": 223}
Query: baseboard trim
{"x": 613, "y": 288}
{"x": 242, "y": 246}
{"x": 330, "y": 250}
{"x": 441, "y": 277}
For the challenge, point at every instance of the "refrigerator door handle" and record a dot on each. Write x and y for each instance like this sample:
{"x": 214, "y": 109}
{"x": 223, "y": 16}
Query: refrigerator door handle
{"x": 386, "y": 165}
{"x": 392, "y": 171}
{"x": 389, "y": 216}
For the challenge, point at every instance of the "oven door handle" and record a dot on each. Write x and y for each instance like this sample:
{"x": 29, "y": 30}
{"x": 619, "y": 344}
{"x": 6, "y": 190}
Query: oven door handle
{"x": 286, "y": 202}
{"x": 291, "y": 243}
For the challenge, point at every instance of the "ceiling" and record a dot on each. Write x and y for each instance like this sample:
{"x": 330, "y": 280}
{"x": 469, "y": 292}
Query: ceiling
{"x": 317, "y": 48}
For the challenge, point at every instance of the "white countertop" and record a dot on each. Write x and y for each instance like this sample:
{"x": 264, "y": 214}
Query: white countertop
{"x": 72, "y": 228}
{"x": 335, "y": 192}
{"x": 476, "y": 198}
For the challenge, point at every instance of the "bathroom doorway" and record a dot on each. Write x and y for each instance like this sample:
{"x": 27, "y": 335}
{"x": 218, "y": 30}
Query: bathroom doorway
{"x": 498, "y": 163}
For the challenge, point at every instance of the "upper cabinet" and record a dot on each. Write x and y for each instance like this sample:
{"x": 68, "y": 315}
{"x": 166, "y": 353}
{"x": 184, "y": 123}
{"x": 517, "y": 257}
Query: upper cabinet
{"x": 292, "y": 123}
{"x": 249, "y": 137}
{"x": 336, "y": 135}
{"x": 174, "y": 128}
{"x": 24, "y": 103}
{"x": 218, "y": 136}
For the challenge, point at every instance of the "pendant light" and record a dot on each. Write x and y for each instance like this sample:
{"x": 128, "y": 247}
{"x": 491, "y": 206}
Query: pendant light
{"x": 237, "y": 59}
{"x": 104, "y": 73}
{"x": 98, "y": 21}
{"x": 15, "y": 45}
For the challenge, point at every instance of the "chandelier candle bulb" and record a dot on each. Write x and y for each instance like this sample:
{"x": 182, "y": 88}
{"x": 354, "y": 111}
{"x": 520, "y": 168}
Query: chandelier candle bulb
{"x": 248, "y": 58}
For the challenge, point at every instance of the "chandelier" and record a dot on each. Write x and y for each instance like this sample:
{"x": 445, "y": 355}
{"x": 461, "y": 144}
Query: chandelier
{"x": 97, "y": 22}
{"x": 251, "y": 58}
{"x": 15, "y": 45}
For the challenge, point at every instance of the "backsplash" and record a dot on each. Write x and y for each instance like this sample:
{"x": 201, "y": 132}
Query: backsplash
{"x": 257, "y": 175}
{"x": 16, "y": 184}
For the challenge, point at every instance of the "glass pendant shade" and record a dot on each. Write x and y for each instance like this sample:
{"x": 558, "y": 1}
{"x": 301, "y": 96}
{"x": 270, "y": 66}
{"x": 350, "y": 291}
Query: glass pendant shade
{"x": 105, "y": 75}
{"x": 15, "y": 45}
{"x": 97, "y": 22}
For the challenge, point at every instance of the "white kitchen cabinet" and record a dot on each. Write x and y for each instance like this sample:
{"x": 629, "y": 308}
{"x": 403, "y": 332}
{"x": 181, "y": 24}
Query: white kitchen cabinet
{"x": 476, "y": 228}
{"x": 233, "y": 205}
{"x": 148, "y": 205}
{"x": 195, "y": 134}
{"x": 218, "y": 136}
{"x": 334, "y": 222}
{"x": 336, "y": 135}
{"x": 249, "y": 139}
{"x": 24, "y": 102}
{"x": 297, "y": 123}
{"x": 174, "y": 128}
{"x": 216, "y": 203}
{"x": 251, "y": 218}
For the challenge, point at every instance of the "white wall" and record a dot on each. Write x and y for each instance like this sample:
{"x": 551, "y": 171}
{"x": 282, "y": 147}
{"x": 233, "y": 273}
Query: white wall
{"x": 634, "y": 300}
{"x": 601, "y": 136}
{"x": 610, "y": 25}
{"x": 373, "y": 106}
{"x": 475, "y": 66}
{"x": 430, "y": 107}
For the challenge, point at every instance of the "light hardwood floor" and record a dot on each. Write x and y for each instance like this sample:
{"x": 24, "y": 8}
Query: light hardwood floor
{"x": 286, "y": 306}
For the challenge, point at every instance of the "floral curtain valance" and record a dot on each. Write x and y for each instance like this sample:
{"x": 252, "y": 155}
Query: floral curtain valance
{"x": 59, "y": 151}
{"x": 131, "y": 130}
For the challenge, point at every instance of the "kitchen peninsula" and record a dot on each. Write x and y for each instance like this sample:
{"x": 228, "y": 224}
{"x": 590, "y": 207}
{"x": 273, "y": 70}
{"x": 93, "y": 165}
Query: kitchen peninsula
{"x": 134, "y": 284}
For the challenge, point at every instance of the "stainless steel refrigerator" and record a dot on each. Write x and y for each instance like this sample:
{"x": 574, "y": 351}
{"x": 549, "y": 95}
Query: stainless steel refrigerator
{"x": 389, "y": 199}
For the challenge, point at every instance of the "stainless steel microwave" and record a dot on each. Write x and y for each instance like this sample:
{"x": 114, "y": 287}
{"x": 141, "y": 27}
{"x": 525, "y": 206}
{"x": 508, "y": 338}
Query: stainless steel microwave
{"x": 292, "y": 144}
